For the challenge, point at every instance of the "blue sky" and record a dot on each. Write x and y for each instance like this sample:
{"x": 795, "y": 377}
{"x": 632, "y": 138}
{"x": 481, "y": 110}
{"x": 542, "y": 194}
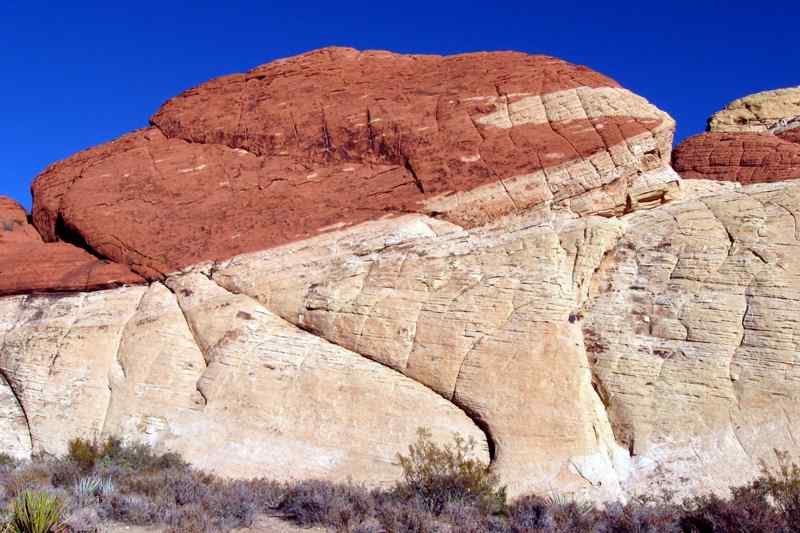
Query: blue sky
{"x": 75, "y": 74}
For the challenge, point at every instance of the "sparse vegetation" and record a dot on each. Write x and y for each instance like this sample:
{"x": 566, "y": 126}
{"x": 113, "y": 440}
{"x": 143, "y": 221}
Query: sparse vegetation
{"x": 444, "y": 489}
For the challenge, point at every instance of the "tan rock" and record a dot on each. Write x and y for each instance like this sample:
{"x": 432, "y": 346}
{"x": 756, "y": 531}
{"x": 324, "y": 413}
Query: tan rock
{"x": 768, "y": 111}
{"x": 692, "y": 327}
{"x": 57, "y": 357}
{"x": 231, "y": 386}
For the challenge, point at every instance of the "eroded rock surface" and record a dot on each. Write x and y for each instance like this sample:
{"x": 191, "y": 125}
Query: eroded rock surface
{"x": 344, "y": 246}
{"x": 338, "y": 137}
{"x": 28, "y": 265}
{"x": 767, "y": 111}
{"x": 692, "y": 327}
{"x": 743, "y": 157}
{"x": 754, "y": 139}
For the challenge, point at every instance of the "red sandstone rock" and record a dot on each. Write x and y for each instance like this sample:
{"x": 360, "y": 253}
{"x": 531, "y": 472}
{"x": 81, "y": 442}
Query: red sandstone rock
{"x": 742, "y": 157}
{"x": 28, "y": 265}
{"x": 14, "y": 226}
{"x": 792, "y": 135}
{"x": 333, "y": 138}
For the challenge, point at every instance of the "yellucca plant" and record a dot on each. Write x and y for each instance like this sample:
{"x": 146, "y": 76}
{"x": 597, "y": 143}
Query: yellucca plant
{"x": 36, "y": 512}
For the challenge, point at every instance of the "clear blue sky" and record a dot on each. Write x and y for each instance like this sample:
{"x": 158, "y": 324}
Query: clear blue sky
{"x": 75, "y": 74}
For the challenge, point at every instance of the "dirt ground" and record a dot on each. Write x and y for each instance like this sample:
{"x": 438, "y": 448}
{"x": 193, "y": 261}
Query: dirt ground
{"x": 263, "y": 524}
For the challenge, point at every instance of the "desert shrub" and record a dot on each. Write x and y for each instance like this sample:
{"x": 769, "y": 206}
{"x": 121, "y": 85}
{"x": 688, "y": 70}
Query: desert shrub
{"x": 321, "y": 502}
{"x": 91, "y": 488}
{"x": 36, "y": 512}
{"x": 137, "y": 456}
{"x": 443, "y": 489}
{"x": 7, "y": 461}
{"x": 65, "y": 473}
{"x": 783, "y": 487}
{"x": 130, "y": 509}
{"x": 28, "y": 477}
{"x": 83, "y": 520}
{"x": 82, "y": 453}
{"x": 439, "y": 475}
{"x": 638, "y": 517}
{"x": 530, "y": 514}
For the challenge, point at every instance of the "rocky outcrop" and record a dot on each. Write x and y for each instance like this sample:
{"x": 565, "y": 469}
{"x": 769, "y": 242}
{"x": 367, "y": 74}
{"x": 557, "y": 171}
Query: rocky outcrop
{"x": 351, "y": 245}
{"x": 28, "y": 265}
{"x": 742, "y": 157}
{"x": 754, "y": 139}
{"x": 337, "y": 137}
{"x": 768, "y": 111}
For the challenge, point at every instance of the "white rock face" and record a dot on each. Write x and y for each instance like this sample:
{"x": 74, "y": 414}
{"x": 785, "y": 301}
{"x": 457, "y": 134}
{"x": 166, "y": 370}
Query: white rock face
{"x": 214, "y": 376}
{"x": 591, "y": 355}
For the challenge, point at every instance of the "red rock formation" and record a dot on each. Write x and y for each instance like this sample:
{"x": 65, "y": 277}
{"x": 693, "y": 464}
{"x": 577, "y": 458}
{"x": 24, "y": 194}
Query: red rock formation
{"x": 792, "y": 135}
{"x": 336, "y": 137}
{"x": 14, "y": 226}
{"x": 28, "y": 265}
{"x": 744, "y": 157}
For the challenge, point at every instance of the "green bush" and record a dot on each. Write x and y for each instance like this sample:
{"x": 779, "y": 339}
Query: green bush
{"x": 36, "y": 512}
{"x": 449, "y": 474}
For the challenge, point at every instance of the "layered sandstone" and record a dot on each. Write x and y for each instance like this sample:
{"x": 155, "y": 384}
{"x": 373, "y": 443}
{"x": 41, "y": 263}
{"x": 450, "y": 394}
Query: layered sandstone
{"x": 743, "y": 157}
{"x": 754, "y": 139}
{"x": 337, "y": 137}
{"x": 344, "y": 246}
{"x": 29, "y": 265}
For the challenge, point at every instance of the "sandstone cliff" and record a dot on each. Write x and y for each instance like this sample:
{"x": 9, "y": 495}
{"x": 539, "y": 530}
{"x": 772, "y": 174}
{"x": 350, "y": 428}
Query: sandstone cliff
{"x": 327, "y": 252}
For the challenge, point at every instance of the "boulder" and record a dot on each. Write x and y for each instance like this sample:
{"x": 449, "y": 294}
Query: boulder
{"x": 29, "y": 265}
{"x": 743, "y": 157}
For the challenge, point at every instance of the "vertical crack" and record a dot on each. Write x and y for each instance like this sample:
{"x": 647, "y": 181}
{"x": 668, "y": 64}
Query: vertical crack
{"x": 476, "y": 418}
{"x": 196, "y": 339}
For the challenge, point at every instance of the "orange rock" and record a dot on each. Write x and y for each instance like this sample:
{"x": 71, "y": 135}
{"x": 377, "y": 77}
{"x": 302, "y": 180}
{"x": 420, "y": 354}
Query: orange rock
{"x": 28, "y": 265}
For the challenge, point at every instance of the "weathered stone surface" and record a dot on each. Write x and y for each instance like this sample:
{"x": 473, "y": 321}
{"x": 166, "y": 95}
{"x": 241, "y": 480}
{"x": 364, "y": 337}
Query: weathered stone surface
{"x": 742, "y": 157}
{"x": 754, "y": 139}
{"x": 766, "y": 111}
{"x": 342, "y": 247}
{"x": 57, "y": 353}
{"x": 14, "y": 226}
{"x": 28, "y": 265}
{"x": 231, "y": 386}
{"x": 692, "y": 327}
{"x": 338, "y": 137}
{"x": 598, "y": 356}
{"x": 481, "y": 317}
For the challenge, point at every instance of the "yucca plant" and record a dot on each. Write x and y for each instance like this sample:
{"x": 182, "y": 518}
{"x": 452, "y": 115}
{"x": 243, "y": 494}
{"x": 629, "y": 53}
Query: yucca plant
{"x": 36, "y": 512}
{"x": 91, "y": 487}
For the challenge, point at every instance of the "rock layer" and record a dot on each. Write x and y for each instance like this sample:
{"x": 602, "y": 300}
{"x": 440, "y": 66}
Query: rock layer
{"x": 754, "y": 139}
{"x": 344, "y": 246}
{"x": 767, "y": 111}
{"x": 29, "y": 265}
{"x": 742, "y": 157}
{"x": 337, "y": 137}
